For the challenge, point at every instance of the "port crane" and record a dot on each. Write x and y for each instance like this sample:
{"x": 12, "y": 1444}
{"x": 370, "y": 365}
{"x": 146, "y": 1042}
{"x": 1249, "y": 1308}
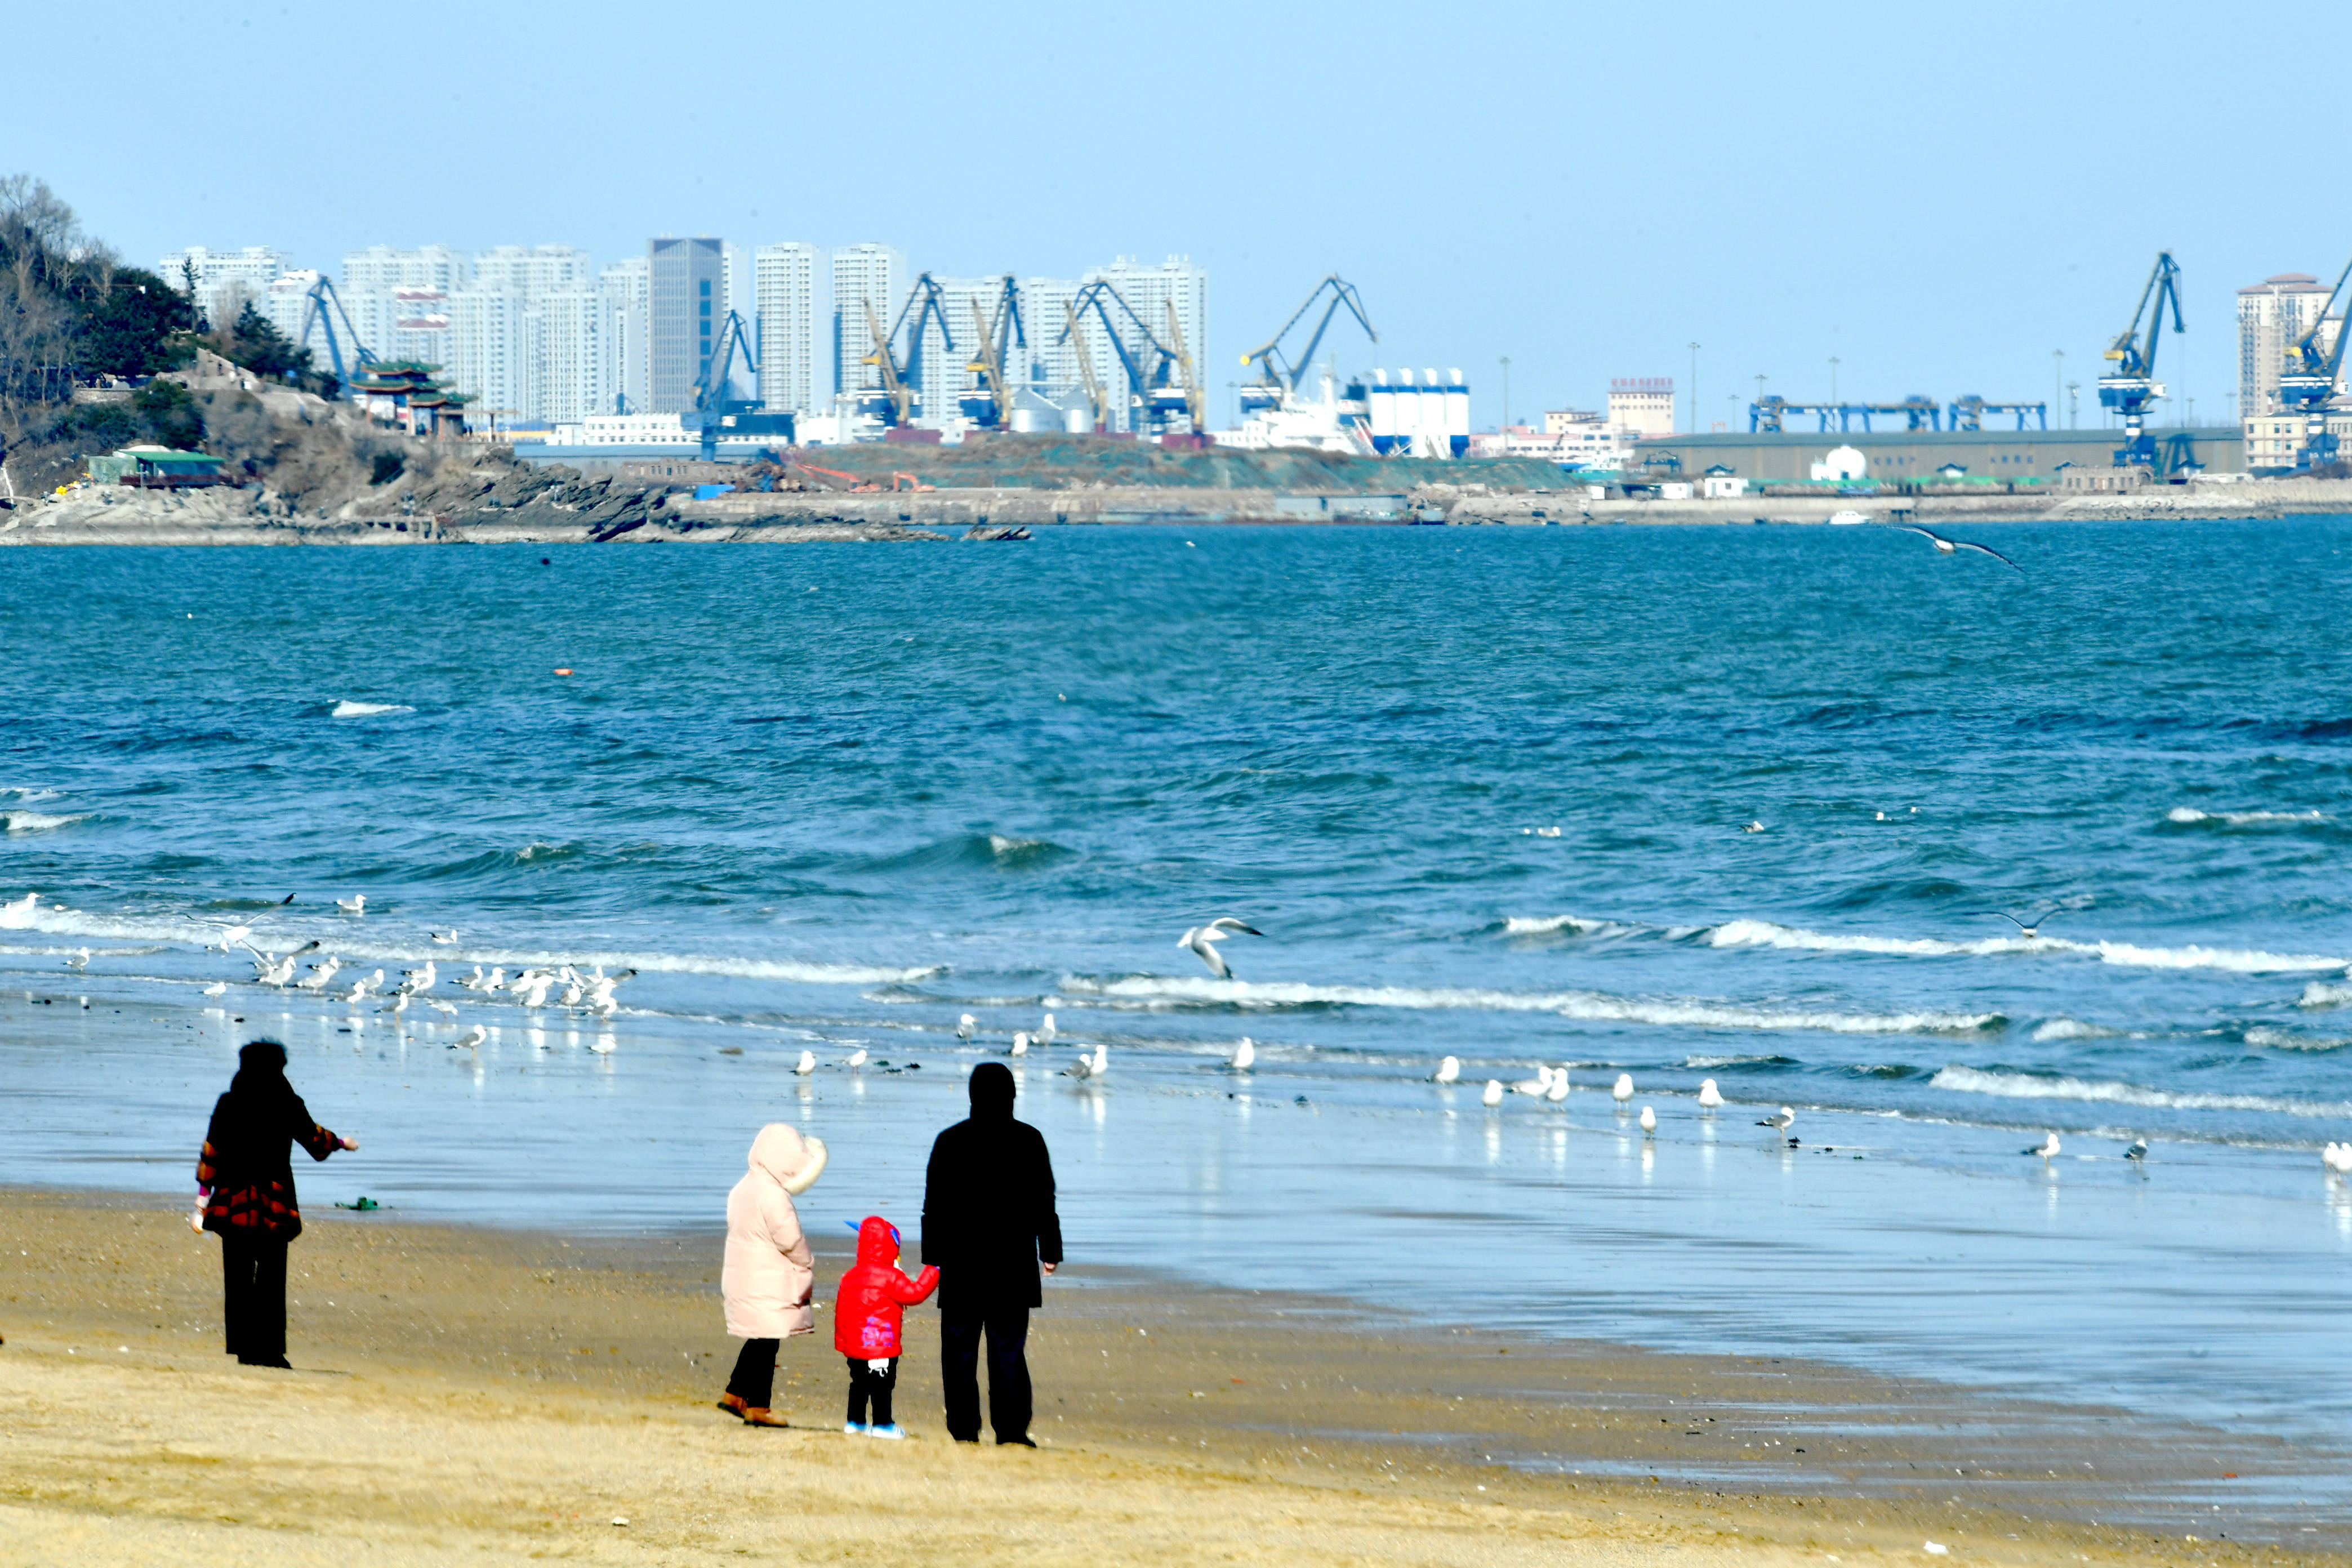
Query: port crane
{"x": 322, "y": 307}
{"x": 1097, "y": 401}
{"x": 1770, "y": 413}
{"x": 990, "y": 405}
{"x": 2132, "y": 386}
{"x": 715, "y": 406}
{"x": 2307, "y": 380}
{"x": 1151, "y": 397}
{"x": 1195, "y": 400}
{"x": 1278, "y": 375}
{"x": 1968, "y": 413}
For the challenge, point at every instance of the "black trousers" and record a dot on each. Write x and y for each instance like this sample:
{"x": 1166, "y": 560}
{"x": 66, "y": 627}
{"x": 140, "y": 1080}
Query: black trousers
{"x": 1007, "y": 1329}
{"x": 754, "y": 1382}
{"x": 868, "y": 1386}
{"x": 253, "y": 1298}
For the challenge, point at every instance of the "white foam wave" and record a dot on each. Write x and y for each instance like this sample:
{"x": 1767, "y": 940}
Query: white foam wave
{"x": 1764, "y": 933}
{"x": 1698, "y": 1063}
{"x": 348, "y": 709}
{"x": 1001, "y": 845}
{"x": 1153, "y": 990}
{"x": 1545, "y": 925}
{"x": 2244, "y": 961}
{"x": 37, "y": 821}
{"x": 2072, "y": 1030}
{"x": 2280, "y": 1040}
{"x": 29, "y": 792}
{"x": 2319, "y": 993}
{"x": 339, "y": 940}
{"x": 2188, "y": 814}
{"x": 2028, "y": 1086}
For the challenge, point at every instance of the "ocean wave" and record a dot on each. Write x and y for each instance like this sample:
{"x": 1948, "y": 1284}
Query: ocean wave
{"x": 2072, "y": 1030}
{"x": 1696, "y": 1063}
{"x": 1764, "y": 933}
{"x": 2188, "y": 815}
{"x": 2242, "y": 961}
{"x": 2034, "y": 1086}
{"x": 350, "y": 709}
{"x": 2319, "y": 993}
{"x": 36, "y": 821}
{"x": 2280, "y": 1040}
{"x": 29, "y": 793}
{"x": 1547, "y": 925}
{"x": 1167, "y": 991}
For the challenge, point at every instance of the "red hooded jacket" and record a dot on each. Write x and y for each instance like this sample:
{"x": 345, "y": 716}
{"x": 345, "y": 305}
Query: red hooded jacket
{"x": 874, "y": 1295}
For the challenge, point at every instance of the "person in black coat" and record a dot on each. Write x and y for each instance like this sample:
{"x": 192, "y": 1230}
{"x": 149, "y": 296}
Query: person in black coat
{"x": 988, "y": 1224}
{"x": 245, "y": 1186}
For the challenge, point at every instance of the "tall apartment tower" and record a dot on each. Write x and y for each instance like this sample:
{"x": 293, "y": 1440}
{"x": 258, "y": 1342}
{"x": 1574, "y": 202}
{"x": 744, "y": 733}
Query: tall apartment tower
{"x": 627, "y": 288}
{"x": 225, "y": 280}
{"x": 863, "y": 275}
{"x": 686, "y": 302}
{"x": 1151, "y": 292}
{"x": 2272, "y": 314}
{"x": 785, "y": 279}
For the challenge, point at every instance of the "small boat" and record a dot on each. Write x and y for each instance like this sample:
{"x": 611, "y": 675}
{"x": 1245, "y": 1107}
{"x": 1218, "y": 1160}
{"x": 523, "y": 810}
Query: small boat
{"x": 1848, "y": 519}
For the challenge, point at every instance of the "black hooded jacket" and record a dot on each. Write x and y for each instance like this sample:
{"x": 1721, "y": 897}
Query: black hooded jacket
{"x": 988, "y": 1204}
{"x": 247, "y": 1167}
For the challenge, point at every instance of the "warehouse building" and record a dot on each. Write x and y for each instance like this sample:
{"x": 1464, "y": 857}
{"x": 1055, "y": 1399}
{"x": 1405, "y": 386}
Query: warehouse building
{"x": 1926, "y": 457}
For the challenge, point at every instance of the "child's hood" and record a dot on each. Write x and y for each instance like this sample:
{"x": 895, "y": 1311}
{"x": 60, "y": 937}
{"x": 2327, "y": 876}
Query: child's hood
{"x": 793, "y": 1161}
{"x": 878, "y": 1243}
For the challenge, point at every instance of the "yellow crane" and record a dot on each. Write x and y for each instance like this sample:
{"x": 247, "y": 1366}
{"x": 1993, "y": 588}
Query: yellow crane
{"x": 1195, "y": 401}
{"x": 902, "y": 399}
{"x": 1096, "y": 401}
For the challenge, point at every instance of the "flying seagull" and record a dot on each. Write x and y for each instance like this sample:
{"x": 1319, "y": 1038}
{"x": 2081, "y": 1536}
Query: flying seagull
{"x": 1948, "y": 546}
{"x": 2023, "y": 928}
{"x": 1201, "y": 943}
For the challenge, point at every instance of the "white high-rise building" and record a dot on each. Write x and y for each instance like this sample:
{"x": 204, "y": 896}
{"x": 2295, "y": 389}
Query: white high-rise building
{"x": 627, "y": 287}
{"x": 284, "y": 302}
{"x": 1153, "y": 293}
{"x": 532, "y": 270}
{"x": 941, "y": 360}
{"x": 245, "y": 274}
{"x": 786, "y": 301}
{"x": 432, "y": 266}
{"x": 572, "y": 359}
{"x": 863, "y": 275}
{"x": 493, "y": 353}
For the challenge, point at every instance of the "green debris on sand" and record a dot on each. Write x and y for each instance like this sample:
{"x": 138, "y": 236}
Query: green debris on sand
{"x": 362, "y": 1204}
{"x": 1055, "y": 462}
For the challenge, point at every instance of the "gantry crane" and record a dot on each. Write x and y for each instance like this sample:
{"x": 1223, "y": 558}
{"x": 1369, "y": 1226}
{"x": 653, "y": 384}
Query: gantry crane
{"x": 1278, "y": 375}
{"x": 1771, "y": 412}
{"x": 1195, "y": 401}
{"x": 714, "y": 404}
{"x": 893, "y": 401}
{"x": 323, "y": 307}
{"x": 1968, "y": 413}
{"x": 2307, "y": 380}
{"x": 990, "y": 405}
{"x": 1151, "y": 397}
{"x": 2132, "y": 386}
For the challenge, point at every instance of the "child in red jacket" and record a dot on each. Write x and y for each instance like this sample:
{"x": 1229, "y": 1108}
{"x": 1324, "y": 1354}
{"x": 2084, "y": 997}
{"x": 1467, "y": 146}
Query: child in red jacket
{"x": 867, "y": 1312}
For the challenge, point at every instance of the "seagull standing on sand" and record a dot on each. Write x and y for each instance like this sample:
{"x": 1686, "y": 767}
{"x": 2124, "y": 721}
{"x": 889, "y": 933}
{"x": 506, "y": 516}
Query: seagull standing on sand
{"x": 1709, "y": 1097}
{"x": 1782, "y": 1119}
{"x": 1558, "y": 1089}
{"x": 473, "y": 1040}
{"x": 1623, "y": 1090}
{"x": 1087, "y": 1066}
{"x": 2048, "y": 1149}
{"x": 964, "y": 1026}
{"x": 1201, "y": 943}
{"x": 1449, "y": 1070}
{"x": 217, "y": 988}
{"x": 1948, "y": 546}
{"x": 856, "y": 1058}
{"x": 1537, "y": 1085}
{"x": 320, "y": 975}
{"x": 1020, "y": 1043}
{"x": 1649, "y": 1121}
{"x": 470, "y": 982}
{"x": 1493, "y": 1094}
{"x": 1244, "y": 1055}
{"x": 2138, "y": 1151}
{"x": 806, "y": 1065}
{"x": 79, "y": 960}
{"x": 1045, "y": 1031}
{"x": 2337, "y": 1157}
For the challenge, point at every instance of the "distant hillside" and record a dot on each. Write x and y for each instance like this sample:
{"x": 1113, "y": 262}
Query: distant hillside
{"x": 1080, "y": 462}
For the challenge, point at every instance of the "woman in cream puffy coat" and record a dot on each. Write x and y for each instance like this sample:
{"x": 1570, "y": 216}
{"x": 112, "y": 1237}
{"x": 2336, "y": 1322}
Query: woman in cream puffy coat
{"x": 770, "y": 1272}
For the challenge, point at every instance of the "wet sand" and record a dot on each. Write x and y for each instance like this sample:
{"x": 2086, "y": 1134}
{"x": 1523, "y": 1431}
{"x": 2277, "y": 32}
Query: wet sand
{"x": 473, "y": 1394}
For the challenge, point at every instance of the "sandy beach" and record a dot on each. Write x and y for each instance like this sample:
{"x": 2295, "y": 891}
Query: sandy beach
{"x": 472, "y": 1394}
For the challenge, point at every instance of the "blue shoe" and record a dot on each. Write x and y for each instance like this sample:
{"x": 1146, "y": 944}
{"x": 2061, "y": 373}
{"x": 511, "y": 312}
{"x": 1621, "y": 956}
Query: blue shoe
{"x": 855, "y": 1428}
{"x": 893, "y": 1431}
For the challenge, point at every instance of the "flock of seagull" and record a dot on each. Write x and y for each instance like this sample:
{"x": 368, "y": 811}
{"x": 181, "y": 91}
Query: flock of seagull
{"x": 532, "y": 987}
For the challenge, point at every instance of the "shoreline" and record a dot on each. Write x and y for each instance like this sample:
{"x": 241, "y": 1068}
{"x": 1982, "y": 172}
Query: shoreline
{"x": 1293, "y": 1414}
{"x": 660, "y": 513}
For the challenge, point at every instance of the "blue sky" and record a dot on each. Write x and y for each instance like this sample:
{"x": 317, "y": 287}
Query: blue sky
{"x": 1939, "y": 197}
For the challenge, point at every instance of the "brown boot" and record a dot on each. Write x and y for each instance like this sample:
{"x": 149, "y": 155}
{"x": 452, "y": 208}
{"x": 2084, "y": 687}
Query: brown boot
{"x": 731, "y": 1403}
{"x": 761, "y": 1416}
